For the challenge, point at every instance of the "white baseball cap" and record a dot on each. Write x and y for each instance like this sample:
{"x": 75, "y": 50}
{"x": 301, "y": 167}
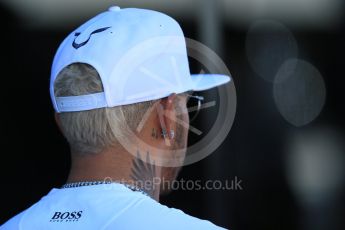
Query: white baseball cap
{"x": 139, "y": 54}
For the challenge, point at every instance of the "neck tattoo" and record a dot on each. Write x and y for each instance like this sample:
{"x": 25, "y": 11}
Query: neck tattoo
{"x": 144, "y": 172}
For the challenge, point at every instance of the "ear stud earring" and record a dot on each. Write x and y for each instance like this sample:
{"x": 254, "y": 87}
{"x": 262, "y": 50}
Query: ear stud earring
{"x": 164, "y": 133}
{"x": 171, "y": 134}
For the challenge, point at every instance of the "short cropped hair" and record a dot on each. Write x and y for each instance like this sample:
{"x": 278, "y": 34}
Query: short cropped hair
{"x": 94, "y": 130}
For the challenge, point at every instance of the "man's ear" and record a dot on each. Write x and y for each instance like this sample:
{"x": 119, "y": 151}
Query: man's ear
{"x": 167, "y": 116}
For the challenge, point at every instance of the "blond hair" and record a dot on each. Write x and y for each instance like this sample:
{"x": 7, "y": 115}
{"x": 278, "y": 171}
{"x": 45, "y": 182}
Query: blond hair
{"x": 94, "y": 130}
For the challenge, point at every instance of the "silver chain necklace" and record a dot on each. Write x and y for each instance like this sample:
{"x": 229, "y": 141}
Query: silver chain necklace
{"x": 90, "y": 183}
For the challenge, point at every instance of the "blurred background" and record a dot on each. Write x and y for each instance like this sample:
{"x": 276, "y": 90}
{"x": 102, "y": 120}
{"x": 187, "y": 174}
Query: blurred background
{"x": 287, "y": 140}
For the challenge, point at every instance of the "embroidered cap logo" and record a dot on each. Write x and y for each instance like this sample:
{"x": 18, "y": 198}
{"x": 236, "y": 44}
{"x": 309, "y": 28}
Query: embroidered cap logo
{"x": 77, "y": 46}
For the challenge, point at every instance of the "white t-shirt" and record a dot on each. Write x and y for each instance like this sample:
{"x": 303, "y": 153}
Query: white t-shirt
{"x": 104, "y": 206}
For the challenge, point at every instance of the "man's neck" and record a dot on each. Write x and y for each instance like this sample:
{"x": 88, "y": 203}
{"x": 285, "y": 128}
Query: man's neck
{"x": 117, "y": 166}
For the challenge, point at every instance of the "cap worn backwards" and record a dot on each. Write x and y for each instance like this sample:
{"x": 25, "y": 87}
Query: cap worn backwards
{"x": 139, "y": 54}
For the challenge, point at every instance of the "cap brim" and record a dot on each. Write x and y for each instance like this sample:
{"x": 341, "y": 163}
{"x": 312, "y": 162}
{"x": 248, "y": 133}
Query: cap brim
{"x": 208, "y": 81}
